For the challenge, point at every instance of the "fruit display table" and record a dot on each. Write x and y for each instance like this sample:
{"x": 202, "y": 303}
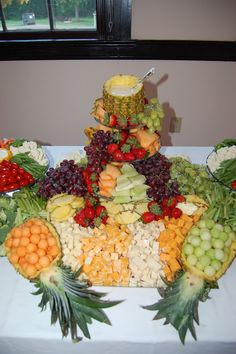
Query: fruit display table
{"x": 23, "y": 329}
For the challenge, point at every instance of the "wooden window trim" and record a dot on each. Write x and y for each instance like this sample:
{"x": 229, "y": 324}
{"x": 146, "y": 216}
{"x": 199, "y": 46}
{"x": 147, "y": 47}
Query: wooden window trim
{"x": 110, "y": 42}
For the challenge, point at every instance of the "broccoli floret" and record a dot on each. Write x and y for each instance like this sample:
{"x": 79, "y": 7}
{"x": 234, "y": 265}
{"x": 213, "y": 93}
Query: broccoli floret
{"x": 3, "y": 217}
{"x": 5, "y": 202}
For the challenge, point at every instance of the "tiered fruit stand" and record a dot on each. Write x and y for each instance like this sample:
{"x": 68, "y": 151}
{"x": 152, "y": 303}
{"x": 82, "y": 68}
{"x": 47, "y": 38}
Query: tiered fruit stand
{"x": 123, "y": 214}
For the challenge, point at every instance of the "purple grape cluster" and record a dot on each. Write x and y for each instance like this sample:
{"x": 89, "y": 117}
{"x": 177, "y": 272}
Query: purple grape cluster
{"x": 67, "y": 178}
{"x": 96, "y": 151}
{"x": 156, "y": 169}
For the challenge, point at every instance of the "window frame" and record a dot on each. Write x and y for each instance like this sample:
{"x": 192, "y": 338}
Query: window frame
{"x": 109, "y": 42}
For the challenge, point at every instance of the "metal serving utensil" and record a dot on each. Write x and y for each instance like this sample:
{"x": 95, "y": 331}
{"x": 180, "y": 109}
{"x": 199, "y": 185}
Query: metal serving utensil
{"x": 148, "y": 74}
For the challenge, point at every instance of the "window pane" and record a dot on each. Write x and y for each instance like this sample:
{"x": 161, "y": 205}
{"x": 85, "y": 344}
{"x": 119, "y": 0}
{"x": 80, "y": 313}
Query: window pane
{"x": 74, "y": 14}
{"x": 26, "y": 15}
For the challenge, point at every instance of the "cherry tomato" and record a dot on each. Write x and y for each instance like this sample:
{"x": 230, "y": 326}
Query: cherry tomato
{"x": 23, "y": 183}
{"x": 11, "y": 179}
{"x": 5, "y": 163}
{"x": 3, "y": 174}
{"x": 19, "y": 178}
{"x": 233, "y": 184}
{"x": 14, "y": 166}
{"x": 14, "y": 172}
{"x": 27, "y": 175}
{"x": 21, "y": 170}
{"x": 3, "y": 181}
{"x": 12, "y": 186}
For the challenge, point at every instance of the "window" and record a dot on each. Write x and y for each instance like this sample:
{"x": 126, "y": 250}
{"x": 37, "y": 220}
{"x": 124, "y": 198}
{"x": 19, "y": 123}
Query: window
{"x": 69, "y": 19}
{"x": 49, "y": 29}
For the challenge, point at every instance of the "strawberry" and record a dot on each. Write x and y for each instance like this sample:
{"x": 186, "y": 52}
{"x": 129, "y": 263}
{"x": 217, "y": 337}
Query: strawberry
{"x": 129, "y": 156}
{"x": 122, "y": 121}
{"x": 118, "y": 155}
{"x": 180, "y": 198}
{"x": 133, "y": 120}
{"x": 176, "y": 213}
{"x": 113, "y": 120}
{"x": 154, "y": 207}
{"x": 125, "y": 148}
{"x": 89, "y": 213}
{"x": 123, "y": 135}
{"x": 169, "y": 202}
{"x": 148, "y": 217}
{"x": 111, "y": 148}
{"x": 101, "y": 211}
{"x": 139, "y": 153}
{"x": 91, "y": 202}
{"x": 166, "y": 211}
{"x": 80, "y": 218}
{"x": 158, "y": 217}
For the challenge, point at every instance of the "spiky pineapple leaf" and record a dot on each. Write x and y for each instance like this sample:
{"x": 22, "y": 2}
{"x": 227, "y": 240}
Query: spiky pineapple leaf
{"x": 71, "y": 301}
{"x": 179, "y": 305}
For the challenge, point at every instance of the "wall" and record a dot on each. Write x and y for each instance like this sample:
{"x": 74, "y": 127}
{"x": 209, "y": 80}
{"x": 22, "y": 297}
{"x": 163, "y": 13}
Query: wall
{"x": 184, "y": 19}
{"x": 50, "y": 101}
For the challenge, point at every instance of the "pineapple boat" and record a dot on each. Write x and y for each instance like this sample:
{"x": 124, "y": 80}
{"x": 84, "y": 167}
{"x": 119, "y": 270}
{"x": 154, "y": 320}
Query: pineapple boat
{"x": 34, "y": 249}
{"x": 207, "y": 253}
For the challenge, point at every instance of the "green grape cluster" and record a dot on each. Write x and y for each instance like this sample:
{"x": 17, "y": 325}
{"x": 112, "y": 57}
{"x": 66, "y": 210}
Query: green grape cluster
{"x": 207, "y": 246}
{"x": 152, "y": 116}
{"x": 191, "y": 178}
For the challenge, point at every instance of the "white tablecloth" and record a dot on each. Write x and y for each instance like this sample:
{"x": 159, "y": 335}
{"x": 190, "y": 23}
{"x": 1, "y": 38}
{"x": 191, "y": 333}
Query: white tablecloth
{"x": 26, "y": 330}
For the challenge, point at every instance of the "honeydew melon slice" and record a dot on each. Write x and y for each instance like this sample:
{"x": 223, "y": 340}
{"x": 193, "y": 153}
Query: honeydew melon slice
{"x": 125, "y": 192}
{"x": 121, "y": 199}
{"x": 138, "y": 180}
{"x": 128, "y": 170}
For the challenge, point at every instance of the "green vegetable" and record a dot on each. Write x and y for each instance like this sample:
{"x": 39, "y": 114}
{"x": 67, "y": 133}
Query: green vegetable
{"x": 29, "y": 205}
{"x": 17, "y": 142}
{"x": 226, "y": 173}
{"x": 8, "y": 212}
{"x": 222, "y": 205}
{"x": 30, "y": 165}
{"x": 225, "y": 143}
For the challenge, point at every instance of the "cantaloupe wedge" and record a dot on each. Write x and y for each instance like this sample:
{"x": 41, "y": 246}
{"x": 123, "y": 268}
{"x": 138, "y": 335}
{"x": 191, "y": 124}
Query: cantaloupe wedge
{"x": 112, "y": 171}
{"x": 103, "y": 127}
{"x": 145, "y": 139}
{"x": 107, "y": 184}
{"x": 104, "y": 176}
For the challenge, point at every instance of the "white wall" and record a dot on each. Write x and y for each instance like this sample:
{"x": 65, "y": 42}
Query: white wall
{"x": 50, "y": 101}
{"x": 184, "y": 19}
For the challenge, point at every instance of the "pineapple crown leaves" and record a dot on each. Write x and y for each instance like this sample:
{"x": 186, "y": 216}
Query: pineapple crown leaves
{"x": 71, "y": 302}
{"x": 179, "y": 305}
